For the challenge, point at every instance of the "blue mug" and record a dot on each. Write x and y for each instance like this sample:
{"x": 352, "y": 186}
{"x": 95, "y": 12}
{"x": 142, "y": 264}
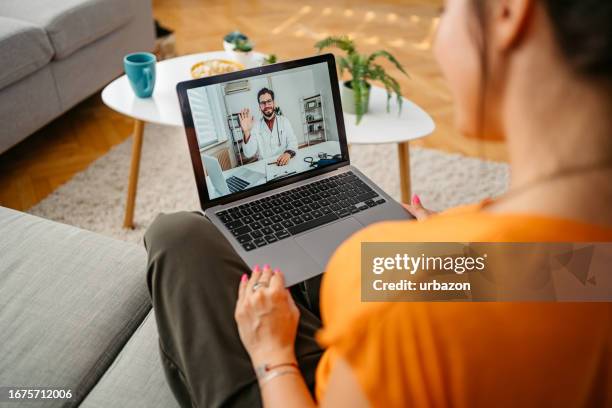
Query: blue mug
{"x": 140, "y": 70}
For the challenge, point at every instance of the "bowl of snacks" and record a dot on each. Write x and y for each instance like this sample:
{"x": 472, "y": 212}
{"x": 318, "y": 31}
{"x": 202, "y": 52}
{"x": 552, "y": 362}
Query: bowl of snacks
{"x": 214, "y": 67}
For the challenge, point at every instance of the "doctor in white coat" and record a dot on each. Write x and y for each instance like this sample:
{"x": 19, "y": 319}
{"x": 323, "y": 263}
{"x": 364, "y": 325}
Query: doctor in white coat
{"x": 271, "y": 136}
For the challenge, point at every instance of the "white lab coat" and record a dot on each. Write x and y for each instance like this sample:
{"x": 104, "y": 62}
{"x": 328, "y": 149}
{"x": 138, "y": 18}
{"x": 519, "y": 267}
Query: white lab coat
{"x": 266, "y": 143}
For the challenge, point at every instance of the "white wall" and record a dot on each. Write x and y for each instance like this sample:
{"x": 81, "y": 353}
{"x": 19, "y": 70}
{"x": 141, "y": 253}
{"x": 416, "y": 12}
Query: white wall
{"x": 248, "y": 99}
{"x": 323, "y": 84}
{"x": 291, "y": 86}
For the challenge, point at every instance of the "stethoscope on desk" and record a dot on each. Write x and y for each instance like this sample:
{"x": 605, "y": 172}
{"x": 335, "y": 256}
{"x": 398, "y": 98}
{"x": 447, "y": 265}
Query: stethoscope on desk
{"x": 324, "y": 159}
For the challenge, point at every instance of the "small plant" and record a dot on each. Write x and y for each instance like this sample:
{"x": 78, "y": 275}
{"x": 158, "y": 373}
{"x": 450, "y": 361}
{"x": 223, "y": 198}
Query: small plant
{"x": 240, "y": 41}
{"x": 243, "y": 46}
{"x": 270, "y": 59}
{"x": 363, "y": 69}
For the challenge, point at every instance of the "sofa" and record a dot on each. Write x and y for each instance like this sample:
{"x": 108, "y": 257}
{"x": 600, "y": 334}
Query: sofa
{"x": 54, "y": 54}
{"x": 75, "y": 314}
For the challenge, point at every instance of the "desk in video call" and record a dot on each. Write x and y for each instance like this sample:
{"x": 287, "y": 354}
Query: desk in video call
{"x": 296, "y": 164}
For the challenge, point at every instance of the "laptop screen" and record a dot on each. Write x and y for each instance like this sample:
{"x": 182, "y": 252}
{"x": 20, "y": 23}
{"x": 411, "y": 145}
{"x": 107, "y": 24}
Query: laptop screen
{"x": 262, "y": 128}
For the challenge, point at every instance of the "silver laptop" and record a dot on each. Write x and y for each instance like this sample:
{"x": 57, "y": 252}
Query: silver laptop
{"x": 243, "y": 178}
{"x": 297, "y": 214}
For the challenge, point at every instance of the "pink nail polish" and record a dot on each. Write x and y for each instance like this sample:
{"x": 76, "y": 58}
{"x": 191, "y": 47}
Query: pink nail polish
{"x": 244, "y": 277}
{"x": 266, "y": 266}
{"x": 276, "y": 270}
{"x": 256, "y": 268}
{"x": 416, "y": 199}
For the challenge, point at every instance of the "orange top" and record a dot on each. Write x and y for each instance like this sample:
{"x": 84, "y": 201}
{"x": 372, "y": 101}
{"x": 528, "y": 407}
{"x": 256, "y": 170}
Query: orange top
{"x": 466, "y": 354}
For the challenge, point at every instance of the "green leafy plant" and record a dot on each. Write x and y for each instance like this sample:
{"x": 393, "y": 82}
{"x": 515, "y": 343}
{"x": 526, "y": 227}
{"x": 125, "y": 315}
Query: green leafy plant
{"x": 239, "y": 40}
{"x": 235, "y": 36}
{"x": 243, "y": 46}
{"x": 270, "y": 59}
{"x": 363, "y": 69}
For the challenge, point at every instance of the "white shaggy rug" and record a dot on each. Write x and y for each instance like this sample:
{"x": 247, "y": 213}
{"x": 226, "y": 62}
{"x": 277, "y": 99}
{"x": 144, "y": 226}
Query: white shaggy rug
{"x": 95, "y": 198}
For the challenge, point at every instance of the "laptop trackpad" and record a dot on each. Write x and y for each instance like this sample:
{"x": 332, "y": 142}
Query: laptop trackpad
{"x": 321, "y": 243}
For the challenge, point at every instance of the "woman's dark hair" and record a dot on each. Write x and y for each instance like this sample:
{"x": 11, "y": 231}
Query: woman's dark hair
{"x": 583, "y": 30}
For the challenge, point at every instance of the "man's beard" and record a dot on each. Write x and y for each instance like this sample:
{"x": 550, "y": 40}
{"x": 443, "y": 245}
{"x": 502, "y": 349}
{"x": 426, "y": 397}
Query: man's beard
{"x": 268, "y": 116}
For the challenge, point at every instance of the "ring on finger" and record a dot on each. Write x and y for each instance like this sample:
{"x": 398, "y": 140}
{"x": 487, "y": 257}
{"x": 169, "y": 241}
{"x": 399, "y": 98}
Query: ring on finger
{"x": 257, "y": 285}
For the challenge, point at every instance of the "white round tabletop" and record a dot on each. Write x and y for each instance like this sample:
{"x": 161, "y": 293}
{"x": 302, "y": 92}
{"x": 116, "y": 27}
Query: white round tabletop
{"x": 377, "y": 126}
{"x": 163, "y": 106}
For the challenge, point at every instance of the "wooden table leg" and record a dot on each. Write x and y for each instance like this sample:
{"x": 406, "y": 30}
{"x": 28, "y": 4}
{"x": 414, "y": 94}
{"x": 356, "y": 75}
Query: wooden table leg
{"x": 128, "y": 221}
{"x": 403, "y": 152}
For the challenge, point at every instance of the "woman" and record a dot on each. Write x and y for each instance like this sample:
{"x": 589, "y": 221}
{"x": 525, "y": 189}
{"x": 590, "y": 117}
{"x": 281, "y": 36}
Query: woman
{"x": 536, "y": 73}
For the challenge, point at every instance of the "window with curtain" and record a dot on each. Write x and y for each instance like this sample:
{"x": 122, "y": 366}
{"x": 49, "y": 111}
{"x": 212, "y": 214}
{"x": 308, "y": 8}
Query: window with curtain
{"x": 207, "y": 117}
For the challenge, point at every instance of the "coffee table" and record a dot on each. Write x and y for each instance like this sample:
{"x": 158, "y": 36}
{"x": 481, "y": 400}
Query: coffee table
{"x": 377, "y": 126}
{"x": 161, "y": 108}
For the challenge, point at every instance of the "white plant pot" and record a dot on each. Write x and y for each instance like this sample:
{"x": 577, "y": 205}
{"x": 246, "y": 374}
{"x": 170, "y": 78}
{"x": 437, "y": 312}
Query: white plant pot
{"x": 228, "y": 47}
{"x": 245, "y": 58}
{"x": 348, "y": 98}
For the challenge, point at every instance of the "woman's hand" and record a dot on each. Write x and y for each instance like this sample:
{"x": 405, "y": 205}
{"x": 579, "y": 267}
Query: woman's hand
{"x": 267, "y": 317}
{"x": 417, "y": 209}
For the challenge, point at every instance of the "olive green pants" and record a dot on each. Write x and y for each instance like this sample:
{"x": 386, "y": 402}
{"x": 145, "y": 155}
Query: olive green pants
{"x": 193, "y": 275}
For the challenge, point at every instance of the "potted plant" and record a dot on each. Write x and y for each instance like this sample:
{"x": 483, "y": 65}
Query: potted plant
{"x": 238, "y": 45}
{"x": 270, "y": 59}
{"x": 362, "y": 67}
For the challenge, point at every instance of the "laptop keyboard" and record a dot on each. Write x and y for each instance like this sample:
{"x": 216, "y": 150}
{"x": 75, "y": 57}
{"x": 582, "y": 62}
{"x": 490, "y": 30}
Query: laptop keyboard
{"x": 236, "y": 184}
{"x": 279, "y": 216}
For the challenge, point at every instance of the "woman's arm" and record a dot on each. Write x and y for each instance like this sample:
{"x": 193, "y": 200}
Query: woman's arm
{"x": 343, "y": 389}
{"x": 267, "y": 319}
{"x": 290, "y": 390}
{"x": 286, "y": 391}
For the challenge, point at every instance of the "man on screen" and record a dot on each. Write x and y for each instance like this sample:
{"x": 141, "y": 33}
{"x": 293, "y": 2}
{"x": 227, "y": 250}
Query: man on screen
{"x": 272, "y": 136}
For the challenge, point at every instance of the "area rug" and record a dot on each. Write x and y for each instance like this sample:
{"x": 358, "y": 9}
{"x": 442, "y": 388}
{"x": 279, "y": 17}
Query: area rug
{"x": 95, "y": 198}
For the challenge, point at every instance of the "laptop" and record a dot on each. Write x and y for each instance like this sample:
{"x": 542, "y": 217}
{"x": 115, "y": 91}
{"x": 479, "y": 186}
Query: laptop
{"x": 232, "y": 184}
{"x": 296, "y": 221}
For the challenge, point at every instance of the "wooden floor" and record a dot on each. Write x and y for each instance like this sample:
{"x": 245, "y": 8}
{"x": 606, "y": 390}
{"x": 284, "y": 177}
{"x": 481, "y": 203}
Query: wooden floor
{"x": 44, "y": 161}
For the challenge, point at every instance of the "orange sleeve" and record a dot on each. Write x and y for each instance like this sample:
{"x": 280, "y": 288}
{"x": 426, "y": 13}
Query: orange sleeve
{"x": 413, "y": 354}
{"x": 393, "y": 358}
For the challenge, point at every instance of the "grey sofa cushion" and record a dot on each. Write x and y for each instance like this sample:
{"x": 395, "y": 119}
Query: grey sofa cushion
{"x": 69, "y": 301}
{"x": 70, "y": 24}
{"x": 136, "y": 378}
{"x": 26, "y": 105}
{"x": 24, "y": 48}
{"x": 73, "y": 81}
